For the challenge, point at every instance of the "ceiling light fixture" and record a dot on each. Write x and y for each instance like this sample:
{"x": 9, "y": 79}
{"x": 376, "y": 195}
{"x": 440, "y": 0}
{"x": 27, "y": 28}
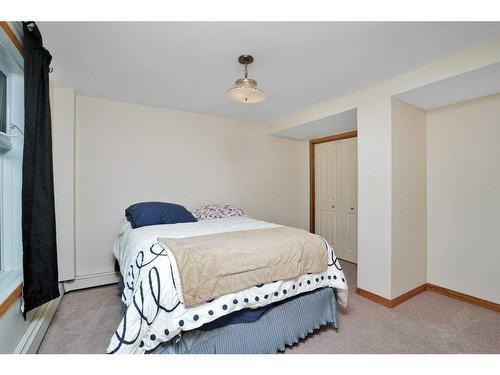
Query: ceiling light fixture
{"x": 245, "y": 90}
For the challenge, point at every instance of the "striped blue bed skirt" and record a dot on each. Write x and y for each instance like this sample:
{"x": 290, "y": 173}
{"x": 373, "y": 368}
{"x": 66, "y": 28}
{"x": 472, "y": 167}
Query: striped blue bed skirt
{"x": 281, "y": 326}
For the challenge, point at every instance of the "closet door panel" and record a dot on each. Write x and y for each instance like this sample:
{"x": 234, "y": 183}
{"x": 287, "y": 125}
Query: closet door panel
{"x": 349, "y": 199}
{"x": 327, "y": 196}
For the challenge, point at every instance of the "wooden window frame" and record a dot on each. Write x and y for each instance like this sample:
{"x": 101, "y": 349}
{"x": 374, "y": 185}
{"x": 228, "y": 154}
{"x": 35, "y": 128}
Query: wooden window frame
{"x": 312, "y": 187}
{"x": 12, "y": 36}
{"x": 11, "y": 298}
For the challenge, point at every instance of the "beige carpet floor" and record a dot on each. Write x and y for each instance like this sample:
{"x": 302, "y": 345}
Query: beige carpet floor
{"x": 427, "y": 323}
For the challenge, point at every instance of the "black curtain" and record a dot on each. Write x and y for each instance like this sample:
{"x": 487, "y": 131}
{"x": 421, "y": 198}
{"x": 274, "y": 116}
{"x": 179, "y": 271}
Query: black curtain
{"x": 38, "y": 213}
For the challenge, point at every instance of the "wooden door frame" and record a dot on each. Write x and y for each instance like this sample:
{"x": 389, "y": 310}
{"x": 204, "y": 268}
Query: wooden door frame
{"x": 312, "y": 187}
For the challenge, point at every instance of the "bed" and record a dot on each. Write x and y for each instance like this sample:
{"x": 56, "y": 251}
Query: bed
{"x": 159, "y": 319}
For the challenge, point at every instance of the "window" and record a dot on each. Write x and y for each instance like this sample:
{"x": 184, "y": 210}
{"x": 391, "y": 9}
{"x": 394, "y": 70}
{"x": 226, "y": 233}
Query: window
{"x": 3, "y": 102}
{"x": 11, "y": 147}
{"x": 3, "y": 127}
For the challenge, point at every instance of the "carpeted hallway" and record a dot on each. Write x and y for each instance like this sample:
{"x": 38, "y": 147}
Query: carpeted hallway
{"x": 427, "y": 323}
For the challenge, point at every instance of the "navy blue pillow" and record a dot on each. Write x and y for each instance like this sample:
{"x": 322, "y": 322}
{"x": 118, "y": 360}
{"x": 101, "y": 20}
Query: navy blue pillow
{"x": 155, "y": 213}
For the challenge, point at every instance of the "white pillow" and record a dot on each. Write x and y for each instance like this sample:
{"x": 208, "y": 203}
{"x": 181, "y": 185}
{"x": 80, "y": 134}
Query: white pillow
{"x": 216, "y": 211}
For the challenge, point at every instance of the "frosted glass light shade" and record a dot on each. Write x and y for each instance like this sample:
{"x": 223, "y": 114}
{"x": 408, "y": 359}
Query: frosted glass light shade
{"x": 245, "y": 90}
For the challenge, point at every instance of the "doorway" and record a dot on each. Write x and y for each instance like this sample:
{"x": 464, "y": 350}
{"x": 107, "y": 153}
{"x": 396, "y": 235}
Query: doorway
{"x": 334, "y": 192}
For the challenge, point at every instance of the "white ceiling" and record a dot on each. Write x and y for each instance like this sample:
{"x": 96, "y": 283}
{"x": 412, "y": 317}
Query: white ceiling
{"x": 189, "y": 66}
{"x": 337, "y": 123}
{"x": 467, "y": 86}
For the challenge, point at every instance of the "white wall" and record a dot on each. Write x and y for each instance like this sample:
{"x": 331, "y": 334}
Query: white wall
{"x": 409, "y": 216}
{"x": 463, "y": 197}
{"x": 375, "y": 154}
{"x": 374, "y": 195}
{"x": 13, "y": 326}
{"x": 127, "y": 153}
{"x": 114, "y": 142}
{"x": 63, "y": 150}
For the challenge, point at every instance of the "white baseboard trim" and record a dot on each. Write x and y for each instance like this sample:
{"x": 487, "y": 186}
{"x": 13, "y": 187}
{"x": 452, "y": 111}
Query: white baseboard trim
{"x": 32, "y": 338}
{"x": 90, "y": 281}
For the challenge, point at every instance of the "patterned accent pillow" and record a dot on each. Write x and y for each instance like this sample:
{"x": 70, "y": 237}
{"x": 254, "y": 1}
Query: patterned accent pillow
{"x": 217, "y": 211}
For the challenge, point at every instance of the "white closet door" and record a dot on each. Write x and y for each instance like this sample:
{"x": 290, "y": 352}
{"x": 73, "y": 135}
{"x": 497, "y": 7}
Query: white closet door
{"x": 349, "y": 176}
{"x": 336, "y": 192}
{"x": 327, "y": 192}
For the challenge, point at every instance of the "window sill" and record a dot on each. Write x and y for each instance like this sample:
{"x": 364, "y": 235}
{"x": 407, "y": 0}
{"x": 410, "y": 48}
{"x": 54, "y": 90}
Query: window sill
{"x": 11, "y": 287}
{"x": 5, "y": 142}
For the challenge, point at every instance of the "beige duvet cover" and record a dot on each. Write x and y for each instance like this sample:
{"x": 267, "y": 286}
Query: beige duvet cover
{"x": 214, "y": 265}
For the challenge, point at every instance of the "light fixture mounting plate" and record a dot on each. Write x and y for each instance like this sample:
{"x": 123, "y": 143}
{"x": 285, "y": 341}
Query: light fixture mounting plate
{"x": 245, "y": 59}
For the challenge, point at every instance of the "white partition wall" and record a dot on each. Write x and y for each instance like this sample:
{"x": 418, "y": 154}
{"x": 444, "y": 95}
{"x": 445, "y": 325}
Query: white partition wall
{"x": 409, "y": 201}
